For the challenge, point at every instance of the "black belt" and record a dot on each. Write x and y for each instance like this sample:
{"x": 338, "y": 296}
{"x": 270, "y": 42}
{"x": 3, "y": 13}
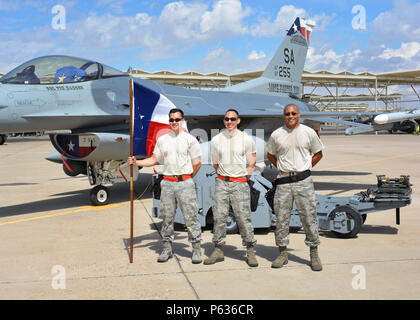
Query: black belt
{"x": 293, "y": 178}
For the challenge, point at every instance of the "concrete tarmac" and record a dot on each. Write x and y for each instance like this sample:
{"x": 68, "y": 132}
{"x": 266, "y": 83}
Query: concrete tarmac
{"x": 55, "y": 245}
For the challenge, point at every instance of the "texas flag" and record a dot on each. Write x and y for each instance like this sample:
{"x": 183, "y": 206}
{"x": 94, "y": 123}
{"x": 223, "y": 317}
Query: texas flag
{"x": 78, "y": 146}
{"x": 300, "y": 26}
{"x": 150, "y": 118}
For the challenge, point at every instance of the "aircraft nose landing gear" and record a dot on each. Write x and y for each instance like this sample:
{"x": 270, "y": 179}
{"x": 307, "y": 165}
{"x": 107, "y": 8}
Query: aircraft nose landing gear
{"x": 100, "y": 196}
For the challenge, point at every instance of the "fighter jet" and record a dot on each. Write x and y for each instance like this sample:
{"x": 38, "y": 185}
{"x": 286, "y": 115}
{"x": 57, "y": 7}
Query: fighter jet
{"x": 84, "y": 107}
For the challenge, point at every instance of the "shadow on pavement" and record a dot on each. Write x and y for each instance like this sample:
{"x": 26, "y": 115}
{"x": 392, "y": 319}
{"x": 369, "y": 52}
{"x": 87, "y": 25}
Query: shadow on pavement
{"x": 71, "y": 200}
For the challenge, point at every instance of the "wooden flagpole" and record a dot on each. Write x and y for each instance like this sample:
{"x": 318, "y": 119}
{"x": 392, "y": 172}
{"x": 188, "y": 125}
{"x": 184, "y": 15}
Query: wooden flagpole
{"x": 131, "y": 171}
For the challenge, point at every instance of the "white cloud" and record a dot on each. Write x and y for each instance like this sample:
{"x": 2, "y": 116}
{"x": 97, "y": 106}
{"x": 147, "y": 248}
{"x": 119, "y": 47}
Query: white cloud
{"x": 323, "y": 59}
{"x": 373, "y": 59}
{"x": 407, "y": 51}
{"x": 225, "y": 18}
{"x": 283, "y": 21}
{"x": 254, "y": 55}
{"x": 285, "y": 16}
{"x": 197, "y": 22}
{"x": 322, "y": 21}
{"x": 215, "y": 54}
{"x": 182, "y": 20}
{"x": 223, "y": 60}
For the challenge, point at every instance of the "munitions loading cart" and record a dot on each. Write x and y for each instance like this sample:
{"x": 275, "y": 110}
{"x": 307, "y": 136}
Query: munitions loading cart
{"x": 343, "y": 216}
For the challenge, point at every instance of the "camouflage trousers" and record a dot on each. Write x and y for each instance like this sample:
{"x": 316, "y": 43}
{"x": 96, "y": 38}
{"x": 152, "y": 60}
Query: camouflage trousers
{"x": 303, "y": 194}
{"x": 237, "y": 195}
{"x": 184, "y": 194}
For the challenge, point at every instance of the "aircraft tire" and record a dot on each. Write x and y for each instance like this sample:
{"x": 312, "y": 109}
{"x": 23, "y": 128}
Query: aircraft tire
{"x": 100, "y": 196}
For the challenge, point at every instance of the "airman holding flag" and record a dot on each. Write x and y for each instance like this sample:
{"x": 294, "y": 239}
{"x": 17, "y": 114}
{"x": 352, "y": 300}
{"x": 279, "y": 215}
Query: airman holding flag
{"x": 181, "y": 156}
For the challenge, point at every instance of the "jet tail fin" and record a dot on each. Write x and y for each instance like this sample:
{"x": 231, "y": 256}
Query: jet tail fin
{"x": 283, "y": 74}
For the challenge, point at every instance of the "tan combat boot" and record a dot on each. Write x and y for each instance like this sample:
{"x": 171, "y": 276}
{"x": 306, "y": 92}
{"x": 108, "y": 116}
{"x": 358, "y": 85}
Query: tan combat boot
{"x": 166, "y": 252}
{"x": 250, "y": 256}
{"x": 315, "y": 260}
{"x": 281, "y": 259}
{"x": 196, "y": 253}
{"x": 216, "y": 255}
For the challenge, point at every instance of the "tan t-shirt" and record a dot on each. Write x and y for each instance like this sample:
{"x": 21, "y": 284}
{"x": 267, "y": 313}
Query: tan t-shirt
{"x": 177, "y": 151}
{"x": 294, "y": 148}
{"x": 231, "y": 151}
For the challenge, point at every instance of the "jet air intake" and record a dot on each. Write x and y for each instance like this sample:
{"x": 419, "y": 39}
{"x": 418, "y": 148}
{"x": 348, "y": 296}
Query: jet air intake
{"x": 92, "y": 146}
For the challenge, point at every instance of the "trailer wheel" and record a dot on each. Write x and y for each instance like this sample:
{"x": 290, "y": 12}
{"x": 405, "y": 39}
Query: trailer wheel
{"x": 231, "y": 224}
{"x": 294, "y": 229}
{"x": 100, "y": 196}
{"x": 353, "y": 215}
{"x": 3, "y": 139}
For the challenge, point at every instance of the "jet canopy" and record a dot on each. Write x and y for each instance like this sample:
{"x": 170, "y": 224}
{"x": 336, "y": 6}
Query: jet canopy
{"x": 59, "y": 69}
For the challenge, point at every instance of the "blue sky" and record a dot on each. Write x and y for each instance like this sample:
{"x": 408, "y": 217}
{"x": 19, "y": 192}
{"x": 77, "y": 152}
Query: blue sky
{"x": 228, "y": 36}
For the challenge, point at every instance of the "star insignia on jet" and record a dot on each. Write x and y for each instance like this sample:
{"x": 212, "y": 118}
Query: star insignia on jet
{"x": 61, "y": 79}
{"x": 71, "y": 146}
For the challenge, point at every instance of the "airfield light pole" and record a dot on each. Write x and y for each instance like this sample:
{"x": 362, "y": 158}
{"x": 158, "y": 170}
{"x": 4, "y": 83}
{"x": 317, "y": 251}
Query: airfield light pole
{"x": 131, "y": 171}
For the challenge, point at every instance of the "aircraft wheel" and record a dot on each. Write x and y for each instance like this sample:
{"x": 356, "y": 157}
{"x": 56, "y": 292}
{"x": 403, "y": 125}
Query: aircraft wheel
{"x": 100, "y": 196}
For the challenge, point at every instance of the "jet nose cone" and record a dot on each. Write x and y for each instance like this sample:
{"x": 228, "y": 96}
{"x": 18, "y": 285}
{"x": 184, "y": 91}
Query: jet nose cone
{"x": 381, "y": 119}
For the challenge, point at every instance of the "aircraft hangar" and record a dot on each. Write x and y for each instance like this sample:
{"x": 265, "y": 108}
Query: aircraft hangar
{"x": 328, "y": 91}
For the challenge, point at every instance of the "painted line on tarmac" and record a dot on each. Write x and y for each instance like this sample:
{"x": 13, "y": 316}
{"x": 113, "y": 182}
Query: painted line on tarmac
{"x": 80, "y": 210}
{"x": 372, "y": 161}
